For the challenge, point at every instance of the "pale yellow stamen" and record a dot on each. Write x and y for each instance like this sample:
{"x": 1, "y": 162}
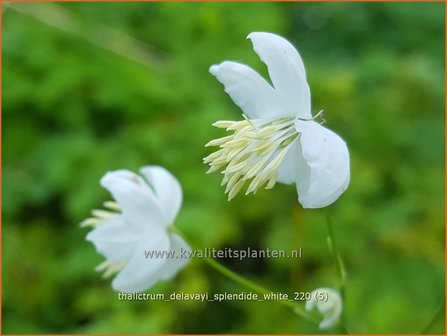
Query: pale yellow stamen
{"x": 271, "y": 183}
{"x": 237, "y": 125}
{"x": 110, "y": 267}
{"x": 102, "y": 266}
{"x": 236, "y": 188}
{"x": 112, "y": 205}
{"x": 99, "y": 216}
{"x": 223, "y": 123}
{"x": 219, "y": 141}
{"x": 103, "y": 214}
{"x": 93, "y": 222}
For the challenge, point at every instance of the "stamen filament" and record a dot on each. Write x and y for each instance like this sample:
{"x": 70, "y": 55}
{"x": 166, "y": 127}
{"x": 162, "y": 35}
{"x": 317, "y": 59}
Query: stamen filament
{"x": 110, "y": 268}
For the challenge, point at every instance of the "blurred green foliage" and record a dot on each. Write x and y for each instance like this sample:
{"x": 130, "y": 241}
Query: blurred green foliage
{"x": 93, "y": 87}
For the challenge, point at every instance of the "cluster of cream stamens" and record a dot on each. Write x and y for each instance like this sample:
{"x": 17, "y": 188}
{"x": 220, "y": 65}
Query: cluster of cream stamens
{"x": 99, "y": 216}
{"x": 254, "y": 151}
{"x": 110, "y": 267}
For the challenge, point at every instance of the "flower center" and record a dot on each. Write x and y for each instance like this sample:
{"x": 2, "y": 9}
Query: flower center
{"x": 254, "y": 151}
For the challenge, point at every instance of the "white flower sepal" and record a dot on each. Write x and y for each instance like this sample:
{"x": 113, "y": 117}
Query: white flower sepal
{"x": 146, "y": 205}
{"x": 278, "y": 141}
{"x": 329, "y": 303}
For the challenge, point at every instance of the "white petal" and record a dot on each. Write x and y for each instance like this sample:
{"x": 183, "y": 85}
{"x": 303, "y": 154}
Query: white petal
{"x": 286, "y": 70}
{"x": 293, "y": 166}
{"x": 167, "y": 189}
{"x": 140, "y": 207}
{"x": 142, "y": 273}
{"x": 327, "y": 156}
{"x": 249, "y": 91}
{"x": 182, "y": 252}
{"x": 331, "y": 318}
{"x": 331, "y": 308}
{"x": 114, "y": 239}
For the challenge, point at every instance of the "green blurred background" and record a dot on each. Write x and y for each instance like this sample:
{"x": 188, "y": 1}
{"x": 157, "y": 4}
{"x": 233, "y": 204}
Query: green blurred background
{"x": 92, "y": 87}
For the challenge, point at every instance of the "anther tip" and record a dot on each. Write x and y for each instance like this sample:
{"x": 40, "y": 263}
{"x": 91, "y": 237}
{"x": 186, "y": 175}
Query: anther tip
{"x": 231, "y": 197}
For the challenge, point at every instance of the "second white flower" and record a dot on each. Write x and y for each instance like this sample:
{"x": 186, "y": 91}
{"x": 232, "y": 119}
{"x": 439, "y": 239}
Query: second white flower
{"x": 146, "y": 206}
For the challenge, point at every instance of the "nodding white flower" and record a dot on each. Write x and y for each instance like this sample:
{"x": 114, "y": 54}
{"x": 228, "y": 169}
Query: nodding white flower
{"x": 278, "y": 140}
{"x": 146, "y": 205}
{"x": 329, "y": 303}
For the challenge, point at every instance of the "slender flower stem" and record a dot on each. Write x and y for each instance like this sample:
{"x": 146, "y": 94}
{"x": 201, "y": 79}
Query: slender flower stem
{"x": 334, "y": 250}
{"x": 298, "y": 309}
{"x": 338, "y": 263}
{"x": 435, "y": 317}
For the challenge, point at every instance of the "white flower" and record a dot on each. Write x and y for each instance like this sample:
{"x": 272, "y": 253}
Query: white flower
{"x": 138, "y": 221}
{"x": 329, "y": 303}
{"x": 278, "y": 141}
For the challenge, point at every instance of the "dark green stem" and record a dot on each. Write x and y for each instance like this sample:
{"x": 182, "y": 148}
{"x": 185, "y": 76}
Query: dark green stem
{"x": 435, "y": 317}
{"x": 334, "y": 250}
{"x": 339, "y": 265}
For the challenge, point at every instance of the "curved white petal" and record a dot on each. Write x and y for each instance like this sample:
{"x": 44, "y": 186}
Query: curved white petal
{"x": 142, "y": 273}
{"x": 114, "y": 239}
{"x": 249, "y": 90}
{"x": 331, "y": 308}
{"x": 293, "y": 166}
{"x": 182, "y": 253}
{"x": 327, "y": 156}
{"x": 140, "y": 207}
{"x": 286, "y": 70}
{"x": 167, "y": 188}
